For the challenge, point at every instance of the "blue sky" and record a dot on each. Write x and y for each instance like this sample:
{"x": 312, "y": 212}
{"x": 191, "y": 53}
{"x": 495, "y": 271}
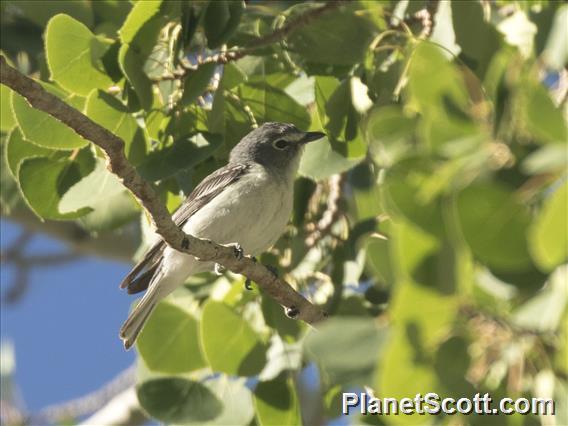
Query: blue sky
{"x": 65, "y": 329}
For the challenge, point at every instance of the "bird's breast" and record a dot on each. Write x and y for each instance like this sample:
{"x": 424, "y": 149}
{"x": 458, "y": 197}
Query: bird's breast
{"x": 253, "y": 212}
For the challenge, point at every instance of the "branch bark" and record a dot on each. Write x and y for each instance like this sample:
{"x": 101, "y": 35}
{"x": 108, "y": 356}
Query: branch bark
{"x": 113, "y": 147}
{"x": 122, "y": 410}
{"x": 105, "y": 245}
{"x": 276, "y": 36}
{"x": 115, "y": 403}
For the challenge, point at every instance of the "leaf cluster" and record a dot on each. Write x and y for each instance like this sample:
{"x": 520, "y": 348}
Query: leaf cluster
{"x": 442, "y": 256}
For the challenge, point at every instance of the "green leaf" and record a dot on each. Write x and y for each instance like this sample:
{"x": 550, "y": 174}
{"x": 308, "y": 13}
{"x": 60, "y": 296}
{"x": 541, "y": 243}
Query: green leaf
{"x": 131, "y": 64}
{"x": 547, "y": 235}
{"x": 44, "y": 181}
{"x": 183, "y": 154}
{"x": 139, "y": 16}
{"x": 377, "y": 252}
{"x": 340, "y": 341}
{"x": 221, "y": 20}
{"x": 190, "y": 18}
{"x": 114, "y": 12}
{"x": 302, "y": 90}
{"x": 478, "y": 39}
{"x": 549, "y": 158}
{"x": 494, "y": 225}
{"x": 519, "y": 31}
{"x": 543, "y": 119}
{"x": 177, "y": 350}
{"x": 229, "y": 343}
{"x": 156, "y": 122}
{"x": 177, "y": 400}
{"x": 237, "y": 407}
{"x": 138, "y": 36}
{"x": 196, "y": 82}
{"x": 389, "y": 134}
{"x": 451, "y": 363}
{"x": 275, "y": 318}
{"x": 320, "y": 161}
{"x": 216, "y": 117}
{"x": 543, "y": 313}
{"x": 428, "y": 92}
{"x": 443, "y": 102}
{"x": 232, "y": 76}
{"x": 74, "y": 56}
{"x": 40, "y": 12}
{"x": 42, "y": 129}
{"x": 7, "y": 121}
{"x": 405, "y": 194}
{"x": 423, "y": 316}
{"x": 276, "y": 403}
{"x": 269, "y": 103}
{"x": 345, "y": 44}
{"x": 556, "y": 51}
{"x": 10, "y": 194}
{"x": 18, "y": 149}
{"x": 110, "y": 113}
{"x": 102, "y": 192}
{"x": 365, "y": 200}
{"x": 338, "y": 115}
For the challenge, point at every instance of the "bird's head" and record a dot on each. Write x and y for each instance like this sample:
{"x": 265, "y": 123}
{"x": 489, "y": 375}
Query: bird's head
{"x": 277, "y": 146}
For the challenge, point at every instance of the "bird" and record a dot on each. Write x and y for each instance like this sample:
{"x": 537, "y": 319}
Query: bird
{"x": 247, "y": 203}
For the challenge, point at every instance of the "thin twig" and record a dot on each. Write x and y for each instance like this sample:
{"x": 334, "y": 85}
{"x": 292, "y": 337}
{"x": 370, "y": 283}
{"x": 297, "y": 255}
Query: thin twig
{"x": 275, "y": 36}
{"x": 329, "y": 217}
{"x": 247, "y": 110}
{"x": 87, "y": 404}
{"x": 113, "y": 147}
{"x": 23, "y": 264}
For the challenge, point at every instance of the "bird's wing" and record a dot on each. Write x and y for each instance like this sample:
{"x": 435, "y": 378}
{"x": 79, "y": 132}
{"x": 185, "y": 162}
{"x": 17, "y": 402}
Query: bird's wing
{"x": 137, "y": 280}
{"x": 208, "y": 189}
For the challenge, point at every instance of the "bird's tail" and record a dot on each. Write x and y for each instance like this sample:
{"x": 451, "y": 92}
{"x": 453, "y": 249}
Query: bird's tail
{"x": 137, "y": 318}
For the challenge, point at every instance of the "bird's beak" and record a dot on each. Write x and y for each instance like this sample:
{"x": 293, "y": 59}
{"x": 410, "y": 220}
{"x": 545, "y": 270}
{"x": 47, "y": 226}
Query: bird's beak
{"x": 311, "y": 136}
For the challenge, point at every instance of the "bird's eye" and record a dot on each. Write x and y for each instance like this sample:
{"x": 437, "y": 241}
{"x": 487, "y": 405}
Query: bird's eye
{"x": 280, "y": 144}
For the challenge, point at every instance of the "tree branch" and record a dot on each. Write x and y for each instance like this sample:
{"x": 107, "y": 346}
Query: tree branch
{"x": 275, "y": 36}
{"x": 323, "y": 227}
{"x": 122, "y": 410}
{"x": 113, "y": 403}
{"x": 23, "y": 264}
{"x": 113, "y": 147}
{"x": 105, "y": 245}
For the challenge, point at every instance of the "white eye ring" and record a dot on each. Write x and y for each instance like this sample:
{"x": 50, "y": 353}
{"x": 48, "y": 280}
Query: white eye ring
{"x": 280, "y": 144}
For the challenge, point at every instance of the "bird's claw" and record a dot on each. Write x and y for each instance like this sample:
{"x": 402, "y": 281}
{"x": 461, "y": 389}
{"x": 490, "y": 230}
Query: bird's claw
{"x": 219, "y": 269}
{"x": 248, "y": 285}
{"x": 292, "y": 312}
{"x": 185, "y": 243}
{"x": 237, "y": 250}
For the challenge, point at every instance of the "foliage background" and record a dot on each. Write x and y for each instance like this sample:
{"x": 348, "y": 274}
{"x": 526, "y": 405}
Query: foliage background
{"x": 431, "y": 223}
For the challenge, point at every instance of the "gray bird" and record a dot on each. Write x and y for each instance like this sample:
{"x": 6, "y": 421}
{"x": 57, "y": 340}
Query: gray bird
{"x": 248, "y": 201}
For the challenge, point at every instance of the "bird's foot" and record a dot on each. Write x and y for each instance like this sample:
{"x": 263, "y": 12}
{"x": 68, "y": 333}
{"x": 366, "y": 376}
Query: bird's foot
{"x": 237, "y": 250}
{"x": 248, "y": 285}
{"x": 292, "y": 312}
{"x": 185, "y": 243}
{"x": 273, "y": 270}
{"x": 219, "y": 269}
